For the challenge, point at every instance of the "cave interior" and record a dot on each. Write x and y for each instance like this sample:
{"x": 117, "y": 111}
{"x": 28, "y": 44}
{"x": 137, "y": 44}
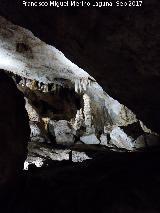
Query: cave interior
{"x": 79, "y": 109}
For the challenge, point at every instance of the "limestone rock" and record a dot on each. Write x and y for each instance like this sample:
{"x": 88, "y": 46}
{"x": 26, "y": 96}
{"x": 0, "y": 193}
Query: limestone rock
{"x": 34, "y": 60}
{"x": 63, "y": 132}
{"x": 104, "y": 140}
{"x": 36, "y": 133}
{"x": 42, "y": 66}
{"x": 133, "y": 137}
{"x": 33, "y": 115}
{"x": 148, "y": 141}
{"x": 40, "y": 153}
{"x": 121, "y": 140}
{"x": 79, "y": 156}
{"x": 90, "y": 139}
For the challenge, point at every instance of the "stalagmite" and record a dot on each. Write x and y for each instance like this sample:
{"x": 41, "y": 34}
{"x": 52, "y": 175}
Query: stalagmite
{"x": 87, "y": 113}
{"x": 33, "y": 115}
{"x": 79, "y": 119}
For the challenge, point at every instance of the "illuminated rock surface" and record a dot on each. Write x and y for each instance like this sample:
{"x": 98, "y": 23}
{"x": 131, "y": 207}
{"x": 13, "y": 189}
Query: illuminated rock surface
{"x": 40, "y": 69}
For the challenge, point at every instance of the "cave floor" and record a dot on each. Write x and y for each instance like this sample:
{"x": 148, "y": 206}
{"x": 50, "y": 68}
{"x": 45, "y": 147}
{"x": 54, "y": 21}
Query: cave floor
{"x": 110, "y": 182}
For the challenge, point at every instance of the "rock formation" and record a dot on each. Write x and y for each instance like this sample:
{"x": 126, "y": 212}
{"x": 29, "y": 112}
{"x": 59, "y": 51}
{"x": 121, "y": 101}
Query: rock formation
{"x": 63, "y": 100}
{"x": 118, "y": 46}
{"x": 93, "y": 109}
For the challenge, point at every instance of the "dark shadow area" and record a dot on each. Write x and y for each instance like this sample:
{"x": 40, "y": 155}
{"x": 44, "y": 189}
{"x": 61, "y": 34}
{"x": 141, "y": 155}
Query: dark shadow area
{"x": 112, "y": 182}
{"x": 14, "y": 136}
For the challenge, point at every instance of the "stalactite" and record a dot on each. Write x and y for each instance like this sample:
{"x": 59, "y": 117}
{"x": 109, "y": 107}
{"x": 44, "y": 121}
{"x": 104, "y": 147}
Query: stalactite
{"x": 82, "y": 84}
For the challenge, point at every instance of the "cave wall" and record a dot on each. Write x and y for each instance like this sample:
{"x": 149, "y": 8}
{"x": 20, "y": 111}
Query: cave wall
{"x": 38, "y": 69}
{"x": 14, "y": 131}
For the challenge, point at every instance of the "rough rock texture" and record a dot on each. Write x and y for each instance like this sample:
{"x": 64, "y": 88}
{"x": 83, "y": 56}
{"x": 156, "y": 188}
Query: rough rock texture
{"x": 62, "y": 131}
{"x": 37, "y": 132}
{"x": 43, "y": 106}
{"x": 56, "y": 103}
{"x": 117, "y": 46}
{"x": 47, "y": 65}
{"x": 53, "y": 86}
{"x": 14, "y": 130}
{"x": 48, "y": 80}
{"x": 42, "y": 155}
{"x": 39, "y": 154}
